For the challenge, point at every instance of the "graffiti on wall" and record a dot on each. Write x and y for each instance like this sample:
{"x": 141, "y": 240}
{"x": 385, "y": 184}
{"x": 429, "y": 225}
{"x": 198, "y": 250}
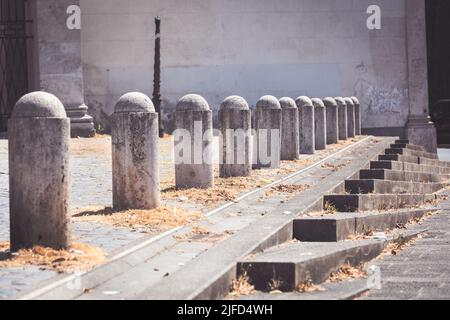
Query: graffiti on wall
{"x": 377, "y": 99}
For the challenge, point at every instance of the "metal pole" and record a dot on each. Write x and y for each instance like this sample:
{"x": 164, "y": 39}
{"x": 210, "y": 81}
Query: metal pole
{"x": 157, "y": 75}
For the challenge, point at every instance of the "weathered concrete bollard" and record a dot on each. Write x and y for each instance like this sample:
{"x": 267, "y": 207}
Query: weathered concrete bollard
{"x": 342, "y": 115}
{"x": 332, "y": 120}
{"x": 290, "y": 135}
{"x": 357, "y": 116}
{"x": 306, "y": 125}
{"x": 135, "y": 153}
{"x": 320, "y": 126}
{"x": 193, "y": 139}
{"x": 350, "y": 117}
{"x": 268, "y": 132}
{"x": 235, "y": 126}
{"x": 39, "y": 133}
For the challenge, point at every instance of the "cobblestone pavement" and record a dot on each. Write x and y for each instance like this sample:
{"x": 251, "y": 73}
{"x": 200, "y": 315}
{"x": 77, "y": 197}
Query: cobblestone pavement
{"x": 421, "y": 271}
{"x": 91, "y": 186}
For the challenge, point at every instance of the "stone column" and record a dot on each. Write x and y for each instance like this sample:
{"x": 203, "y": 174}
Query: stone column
{"x": 290, "y": 135}
{"x": 419, "y": 129}
{"x": 320, "y": 132}
{"x": 193, "y": 139}
{"x": 357, "y": 115}
{"x": 39, "y": 133}
{"x": 57, "y": 62}
{"x": 236, "y": 129}
{"x": 135, "y": 153}
{"x": 268, "y": 132}
{"x": 332, "y": 120}
{"x": 306, "y": 125}
{"x": 342, "y": 115}
{"x": 350, "y": 117}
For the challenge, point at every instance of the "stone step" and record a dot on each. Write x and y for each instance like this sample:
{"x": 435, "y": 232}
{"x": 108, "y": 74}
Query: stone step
{"x": 397, "y": 175}
{"x": 397, "y": 157}
{"x": 340, "y": 226}
{"x": 407, "y": 166}
{"x": 372, "y": 202}
{"x": 404, "y": 141}
{"x": 387, "y": 187}
{"x": 431, "y": 162}
{"x": 407, "y": 146}
{"x": 414, "y": 153}
{"x": 286, "y": 266}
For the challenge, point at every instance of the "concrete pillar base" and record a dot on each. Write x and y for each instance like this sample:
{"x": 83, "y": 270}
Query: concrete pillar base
{"x": 421, "y": 131}
{"x": 81, "y": 124}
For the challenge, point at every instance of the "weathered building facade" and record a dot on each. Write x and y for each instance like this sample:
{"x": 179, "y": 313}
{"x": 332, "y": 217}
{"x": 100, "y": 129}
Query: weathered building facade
{"x": 251, "y": 48}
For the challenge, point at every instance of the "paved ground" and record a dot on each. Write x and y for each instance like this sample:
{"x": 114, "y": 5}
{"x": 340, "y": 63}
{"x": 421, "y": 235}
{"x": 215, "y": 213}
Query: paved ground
{"x": 421, "y": 271}
{"x": 91, "y": 186}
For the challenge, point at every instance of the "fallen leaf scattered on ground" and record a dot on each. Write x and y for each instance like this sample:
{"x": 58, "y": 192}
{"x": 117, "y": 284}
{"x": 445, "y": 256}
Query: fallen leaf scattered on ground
{"x": 156, "y": 220}
{"x": 289, "y": 189}
{"x": 335, "y": 167}
{"x": 308, "y": 286}
{"x": 329, "y": 208}
{"x": 347, "y": 272}
{"x": 395, "y": 247}
{"x": 201, "y": 234}
{"x": 206, "y": 197}
{"x": 79, "y": 257}
{"x": 241, "y": 286}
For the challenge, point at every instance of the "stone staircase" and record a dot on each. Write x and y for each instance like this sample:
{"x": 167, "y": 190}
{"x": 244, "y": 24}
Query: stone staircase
{"x": 401, "y": 186}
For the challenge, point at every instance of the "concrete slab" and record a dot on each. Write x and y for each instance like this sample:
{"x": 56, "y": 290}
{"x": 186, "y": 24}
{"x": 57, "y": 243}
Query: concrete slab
{"x": 397, "y": 175}
{"x": 291, "y": 264}
{"x": 341, "y": 225}
{"x": 409, "y": 152}
{"x": 367, "y": 186}
{"x": 371, "y": 202}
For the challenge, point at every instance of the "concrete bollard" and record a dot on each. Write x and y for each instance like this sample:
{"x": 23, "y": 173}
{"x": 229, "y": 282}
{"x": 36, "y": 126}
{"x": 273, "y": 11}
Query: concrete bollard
{"x": 332, "y": 120}
{"x": 235, "y": 126}
{"x": 306, "y": 125}
{"x": 350, "y": 117}
{"x": 320, "y": 126}
{"x": 342, "y": 115}
{"x": 290, "y": 135}
{"x": 193, "y": 139}
{"x": 268, "y": 132}
{"x": 135, "y": 153}
{"x": 39, "y": 133}
{"x": 357, "y": 116}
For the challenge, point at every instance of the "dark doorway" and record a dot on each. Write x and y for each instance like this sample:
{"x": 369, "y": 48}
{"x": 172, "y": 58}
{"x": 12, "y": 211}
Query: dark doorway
{"x": 13, "y": 56}
{"x": 438, "y": 38}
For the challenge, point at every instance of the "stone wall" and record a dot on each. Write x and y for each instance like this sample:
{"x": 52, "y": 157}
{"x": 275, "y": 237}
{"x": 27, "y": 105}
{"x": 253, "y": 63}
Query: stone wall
{"x": 251, "y": 48}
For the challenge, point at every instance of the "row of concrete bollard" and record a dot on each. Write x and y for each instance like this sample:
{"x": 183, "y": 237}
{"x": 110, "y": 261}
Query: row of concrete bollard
{"x": 39, "y": 133}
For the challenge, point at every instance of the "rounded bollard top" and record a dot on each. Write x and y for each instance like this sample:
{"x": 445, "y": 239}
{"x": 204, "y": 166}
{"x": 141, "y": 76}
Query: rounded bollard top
{"x": 340, "y": 101}
{"x": 287, "y": 103}
{"x": 39, "y": 104}
{"x": 303, "y": 101}
{"x": 349, "y": 101}
{"x": 329, "y": 102}
{"x": 134, "y": 102}
{"x": 355, "y": 100}
{"x": 268, "y": 103}
{"x": 192, "y": 102}
{"x": 317, "y": 103}
{"x": 234, "y": 103}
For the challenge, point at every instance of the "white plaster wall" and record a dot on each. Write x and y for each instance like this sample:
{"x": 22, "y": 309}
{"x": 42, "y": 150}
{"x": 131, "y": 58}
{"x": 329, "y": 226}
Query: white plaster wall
{"x": 248, "y": 47}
